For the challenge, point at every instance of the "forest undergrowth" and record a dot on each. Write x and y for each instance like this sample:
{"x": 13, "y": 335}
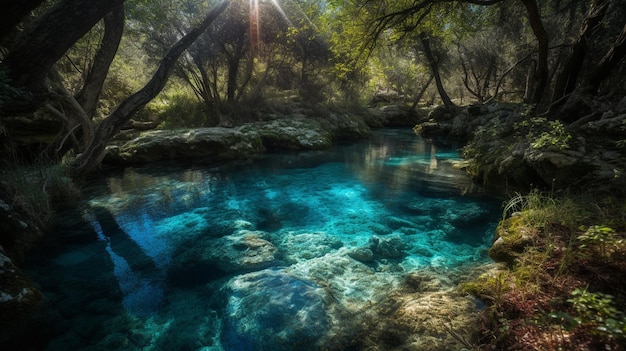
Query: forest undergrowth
{"x": 562, "y": 286}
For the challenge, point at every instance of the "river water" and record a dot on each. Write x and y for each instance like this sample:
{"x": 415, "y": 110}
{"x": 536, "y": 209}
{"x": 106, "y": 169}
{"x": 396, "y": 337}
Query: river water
{"x": 294, "y": 251}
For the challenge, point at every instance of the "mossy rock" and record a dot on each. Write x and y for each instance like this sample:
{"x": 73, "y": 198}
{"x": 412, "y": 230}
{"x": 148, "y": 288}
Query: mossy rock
{"x": 512, "y": 238}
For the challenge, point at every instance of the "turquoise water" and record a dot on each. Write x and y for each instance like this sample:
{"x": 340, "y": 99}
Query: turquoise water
{"x": 297, "y": 251}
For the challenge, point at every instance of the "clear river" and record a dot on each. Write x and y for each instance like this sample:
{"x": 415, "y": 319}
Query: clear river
{"x": 358, "y": 246}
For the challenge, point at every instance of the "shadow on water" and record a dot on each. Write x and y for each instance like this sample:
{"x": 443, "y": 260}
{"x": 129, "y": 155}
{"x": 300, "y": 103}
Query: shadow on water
{"x": 256, "y": 252}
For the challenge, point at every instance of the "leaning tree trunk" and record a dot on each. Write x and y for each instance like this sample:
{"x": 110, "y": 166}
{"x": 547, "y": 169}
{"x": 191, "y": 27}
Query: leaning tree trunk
{"x": 434, "y": 66}
{"x": 91, "y": 158}
{"x": 89, "y": 95}
{"x": 566, "y": 80}
{"x": 45, "y": 42}
{"x": 541, "y": 73}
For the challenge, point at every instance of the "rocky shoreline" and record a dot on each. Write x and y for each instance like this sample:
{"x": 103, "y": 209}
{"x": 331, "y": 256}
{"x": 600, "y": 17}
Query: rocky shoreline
{"x": 509, "y": 148}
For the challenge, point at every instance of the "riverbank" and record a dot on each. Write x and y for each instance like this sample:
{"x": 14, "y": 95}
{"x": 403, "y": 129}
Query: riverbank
{"x": 561, "y": 241}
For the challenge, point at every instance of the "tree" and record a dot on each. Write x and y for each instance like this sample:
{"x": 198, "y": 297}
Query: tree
{"x": 93, "y": 155}
{"x": 43, "y": 43}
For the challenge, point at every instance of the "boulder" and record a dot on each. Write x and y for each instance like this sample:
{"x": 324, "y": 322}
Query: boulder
{"x": 244, "y": 251}
{"x": 201, "y": 143}
{"x": 300, "y": 247}
{"x": 512, "y": 238}
{"x": 273, "y": 310}
{"x": 297, "y": 133}
{"x": 559, "y": 167}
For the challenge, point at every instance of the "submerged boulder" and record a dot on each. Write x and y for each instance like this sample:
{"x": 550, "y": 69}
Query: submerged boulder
{"x": 243, "y": 251}
{"x": 272, "y": 310}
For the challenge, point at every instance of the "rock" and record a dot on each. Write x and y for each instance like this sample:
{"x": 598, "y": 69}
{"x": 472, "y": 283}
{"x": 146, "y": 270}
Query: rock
{"x": 299, "y": 247}
{"x": 18, "y": 298}
{"x": 362, "y": 254}
{"x": 422, "y": 281}
{"x": 397, "y": 223}
{"x": 398, "y": 116}
{"x": 345, "y": 127}
{"x": 512, "y": 238}
{"x": 442, "y": 113}
{"x": 209, "y": 258}
{"x": 621, "y": 106}
{"x": 388, "y": 247}
{"x": 242, "y": 252}
{"x": 202, "y": 143}
{"x": 559, "y": 167}
{"x": 466, "y": 214}
{"x": 272, "y": 310}
{"x": 298, "y": 133}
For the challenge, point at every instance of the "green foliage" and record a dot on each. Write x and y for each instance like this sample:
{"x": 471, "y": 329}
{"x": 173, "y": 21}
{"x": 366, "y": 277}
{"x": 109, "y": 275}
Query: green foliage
{"x": 35, "y": 189}
{"x": 595, "y": 312}
{"x": 601, "y": 240}
{"x": 544, "y": 134}
{"x": 182, "y": 111}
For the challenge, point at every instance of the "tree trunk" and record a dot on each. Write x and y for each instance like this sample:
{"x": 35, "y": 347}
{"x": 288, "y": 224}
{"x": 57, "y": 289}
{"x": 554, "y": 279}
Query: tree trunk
{"x": 434, "y": 66}
{"x": 233, "y": 69}
{"x": 113, "y": 29}
{"x": 13, "y": 12}
{"x": 45, "y": 42}
{"x": 420, "y": 94}
{"x": 566, "y": 80}
{"x": 91, "y": 158}
{"x": 612, "y": 58}
{"x": 541, "y": 73}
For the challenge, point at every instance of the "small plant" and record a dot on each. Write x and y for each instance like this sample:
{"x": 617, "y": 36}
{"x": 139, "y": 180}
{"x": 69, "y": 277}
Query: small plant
{"x": 601, "y": 239}
{"x": 542, "y": 133}
{"x": 598, "y": 310}
{"x": 34, "y": 190}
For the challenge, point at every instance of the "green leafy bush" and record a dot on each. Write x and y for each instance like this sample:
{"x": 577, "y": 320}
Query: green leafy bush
{"x": 542, "y": 133}
{"x": 597, "y": 312}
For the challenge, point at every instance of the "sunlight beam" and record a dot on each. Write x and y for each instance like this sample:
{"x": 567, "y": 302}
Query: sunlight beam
{"x": 255, "y": 27}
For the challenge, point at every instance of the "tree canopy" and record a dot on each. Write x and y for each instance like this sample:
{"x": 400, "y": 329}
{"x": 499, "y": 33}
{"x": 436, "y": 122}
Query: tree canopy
{"x": 81, "y": 61}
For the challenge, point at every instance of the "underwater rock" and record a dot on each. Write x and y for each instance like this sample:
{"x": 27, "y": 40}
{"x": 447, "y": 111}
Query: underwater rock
{"x": 421, "y": 281}
{"x": 299, "y": 247}
{"x": 362, "y": 254}
{"x": 466, "y": 214}
{"x": 242, "y": 252}
{"x": 397, "y": 223}
{"x": 206, "y": 259}
{"x": 389, "y": 247}
{"x": 272, "y": 310}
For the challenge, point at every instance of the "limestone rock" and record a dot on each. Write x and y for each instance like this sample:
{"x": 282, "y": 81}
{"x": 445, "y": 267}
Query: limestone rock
{"x": 299, "y": 247}
{"x": 273, "y": 310}
{"x": 242, "y": 252}
{"x": 298, "y": 133}
{"x": 201, "y": 143}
